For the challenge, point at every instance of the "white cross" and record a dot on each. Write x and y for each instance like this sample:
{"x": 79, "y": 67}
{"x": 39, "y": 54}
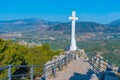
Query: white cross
{"x": 73, "y": 17}
{"x": 73, "y": 41}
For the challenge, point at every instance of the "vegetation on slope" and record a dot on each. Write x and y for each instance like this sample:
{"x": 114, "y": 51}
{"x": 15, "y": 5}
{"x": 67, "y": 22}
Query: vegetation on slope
{"x": 109, "y": 49}
{"x": 15, "y": 54}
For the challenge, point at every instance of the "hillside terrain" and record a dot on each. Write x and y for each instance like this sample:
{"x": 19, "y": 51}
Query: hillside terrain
{"x": 32, "y": 24}
{"x": 91, "y": 36}
{"x": 21, "y": 25}
{"x": 17, "y": 54}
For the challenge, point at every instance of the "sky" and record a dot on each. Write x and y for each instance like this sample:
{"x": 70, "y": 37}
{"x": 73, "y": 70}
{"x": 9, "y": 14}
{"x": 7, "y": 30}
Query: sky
{"x": 101, "y": 11}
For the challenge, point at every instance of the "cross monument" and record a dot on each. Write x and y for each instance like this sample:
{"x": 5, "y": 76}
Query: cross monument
{"x": 73, "y": 41}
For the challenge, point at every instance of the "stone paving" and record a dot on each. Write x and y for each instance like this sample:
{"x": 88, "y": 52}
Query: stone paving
{"x": 76, "y": 70}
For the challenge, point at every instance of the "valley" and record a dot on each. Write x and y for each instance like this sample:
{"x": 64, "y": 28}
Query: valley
{"x": 93, "y": 37}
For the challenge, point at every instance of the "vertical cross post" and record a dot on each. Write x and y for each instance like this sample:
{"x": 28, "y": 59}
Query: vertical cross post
{"x": 73, "y": 41}
{"x": 9, "y": 72}
{"x": 31, "y": 72}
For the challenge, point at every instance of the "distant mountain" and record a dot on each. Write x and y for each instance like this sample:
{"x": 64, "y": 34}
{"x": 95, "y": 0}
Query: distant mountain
{"x": 83, "y": 27}
{"x": 25, "y": 21}
{"x": 115, "y": 23}
{"x": 23, "y": 24}
{"x": 33, "y": 24}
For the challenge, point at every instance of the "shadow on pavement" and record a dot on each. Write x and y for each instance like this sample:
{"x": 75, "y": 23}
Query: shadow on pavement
{"x": 78, "y": 76}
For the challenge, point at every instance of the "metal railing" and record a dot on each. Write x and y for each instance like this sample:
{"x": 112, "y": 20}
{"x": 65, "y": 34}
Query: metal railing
{"x": 15, "y": 76}
{"x": 52, "y": 68}
{"x": 48, "y": 70}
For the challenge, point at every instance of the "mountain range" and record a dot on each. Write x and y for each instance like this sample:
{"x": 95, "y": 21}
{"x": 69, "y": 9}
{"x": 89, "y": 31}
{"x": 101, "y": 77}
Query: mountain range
{"x": 22, "y": 25}
{"x": 32, "y": 24}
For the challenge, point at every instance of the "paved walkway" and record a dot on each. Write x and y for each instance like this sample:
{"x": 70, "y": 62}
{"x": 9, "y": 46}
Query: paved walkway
{"x": 76, "y": 70}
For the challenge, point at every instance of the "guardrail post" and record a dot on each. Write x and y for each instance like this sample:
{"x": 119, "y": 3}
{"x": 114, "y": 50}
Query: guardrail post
{"x": 72, "y": 56}
{"x": 31, "y": 72}
{"x": 59, "y": 66}
{"x": 54, "y": 69}
{"x": 66, "y": 59}
{"x": 44, "y": 72}
{"x": 9, "y": 72}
